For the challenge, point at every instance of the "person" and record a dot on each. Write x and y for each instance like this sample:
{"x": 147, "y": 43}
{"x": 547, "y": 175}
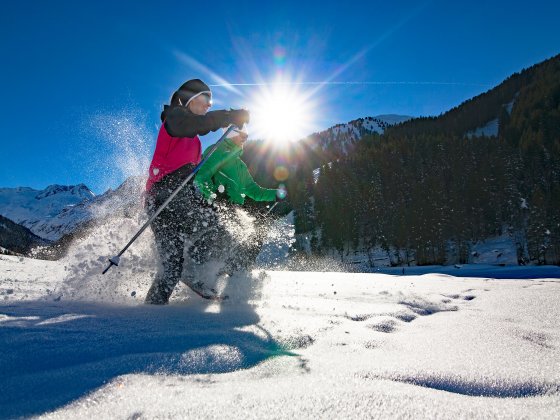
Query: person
{"x": 177, "y": 152}
{"x": 225, "y": 181}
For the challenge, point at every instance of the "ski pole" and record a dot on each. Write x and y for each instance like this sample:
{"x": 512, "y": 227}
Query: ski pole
{"x": 271, "y": 208}
{"x": 116, "y": 259}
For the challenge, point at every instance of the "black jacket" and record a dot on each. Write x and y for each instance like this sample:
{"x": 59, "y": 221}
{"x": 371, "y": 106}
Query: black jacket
{"x": 180, "y": 122}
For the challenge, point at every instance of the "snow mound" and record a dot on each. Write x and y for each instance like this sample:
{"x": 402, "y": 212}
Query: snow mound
{"x": 485, "y": 387}
{"x": 422, "y": 306}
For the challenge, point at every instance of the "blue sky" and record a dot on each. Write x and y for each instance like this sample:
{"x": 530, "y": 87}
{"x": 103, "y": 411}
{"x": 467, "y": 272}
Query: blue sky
{"x": 83, "y": 83}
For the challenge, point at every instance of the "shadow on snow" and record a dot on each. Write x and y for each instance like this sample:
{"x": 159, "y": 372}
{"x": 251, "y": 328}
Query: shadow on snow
{"x": 495, "y": 389}
{"x": 56, "y": 352}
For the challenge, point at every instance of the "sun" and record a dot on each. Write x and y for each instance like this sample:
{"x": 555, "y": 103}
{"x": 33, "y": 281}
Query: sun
{"x": 281, "y": 113}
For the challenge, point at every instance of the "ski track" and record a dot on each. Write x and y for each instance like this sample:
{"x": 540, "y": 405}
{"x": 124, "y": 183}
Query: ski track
{"x": 289, "y": 344}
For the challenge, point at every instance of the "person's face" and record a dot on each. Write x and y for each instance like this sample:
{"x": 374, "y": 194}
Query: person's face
{"x": 201, "y": 104}
{"x": 240, "y": 138}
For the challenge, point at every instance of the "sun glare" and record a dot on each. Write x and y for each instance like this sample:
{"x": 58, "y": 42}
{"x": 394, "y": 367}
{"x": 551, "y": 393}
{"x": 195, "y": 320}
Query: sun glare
{"x": 280, "y": 113}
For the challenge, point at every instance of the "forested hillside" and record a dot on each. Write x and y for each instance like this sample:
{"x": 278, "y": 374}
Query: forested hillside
{"x": 424, "y": 186}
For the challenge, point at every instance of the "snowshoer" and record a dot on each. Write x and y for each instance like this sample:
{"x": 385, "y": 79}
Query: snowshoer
{"x": 223, "y": 175}
{"x": 177, "y": 152}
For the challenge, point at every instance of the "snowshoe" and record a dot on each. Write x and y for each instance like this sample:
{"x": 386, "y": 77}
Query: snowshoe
{"x": 201, "y": 290}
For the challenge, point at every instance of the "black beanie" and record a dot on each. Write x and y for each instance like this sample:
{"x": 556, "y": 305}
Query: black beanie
{"x": 188, "y": 91}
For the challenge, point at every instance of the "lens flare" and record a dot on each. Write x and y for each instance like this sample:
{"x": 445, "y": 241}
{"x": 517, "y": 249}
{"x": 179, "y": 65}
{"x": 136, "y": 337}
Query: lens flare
{"x": 281, "y": 173}
{"x": 279, "y": 56}
{"x": 282, "y": 192}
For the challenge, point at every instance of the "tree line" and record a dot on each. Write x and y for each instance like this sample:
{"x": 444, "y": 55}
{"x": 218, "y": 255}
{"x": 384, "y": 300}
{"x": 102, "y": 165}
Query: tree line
{"x": 424, "y": 187}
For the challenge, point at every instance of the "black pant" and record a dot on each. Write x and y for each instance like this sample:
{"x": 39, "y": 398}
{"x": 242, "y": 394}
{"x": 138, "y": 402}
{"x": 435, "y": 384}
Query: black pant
{"x": 185, "y": 217}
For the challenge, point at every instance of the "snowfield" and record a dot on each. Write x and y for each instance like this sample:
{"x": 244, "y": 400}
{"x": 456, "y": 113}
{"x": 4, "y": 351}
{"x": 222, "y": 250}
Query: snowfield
{"x": 286, "y": 345}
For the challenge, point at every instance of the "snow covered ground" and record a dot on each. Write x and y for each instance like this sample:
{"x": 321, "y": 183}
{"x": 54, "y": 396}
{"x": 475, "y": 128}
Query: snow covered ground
{"x": 287, "y": 345}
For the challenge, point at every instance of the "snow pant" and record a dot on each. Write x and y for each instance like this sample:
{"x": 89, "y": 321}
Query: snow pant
{"x": 185, "y": 217}
{"x": 244, "y": 254}
{"x": 213, "y": 241}
{"x": 237, "y": 253}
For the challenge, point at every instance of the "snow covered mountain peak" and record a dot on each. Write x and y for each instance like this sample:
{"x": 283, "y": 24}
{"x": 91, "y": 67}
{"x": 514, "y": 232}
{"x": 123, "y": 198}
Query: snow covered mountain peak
{"x": 41, "y": 210}
{"x": 79, "y": 191}
{"x": 341, "y": 137}
{"x": 59, "y": 209}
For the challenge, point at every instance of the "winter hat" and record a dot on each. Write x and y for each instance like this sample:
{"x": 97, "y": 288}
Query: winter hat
{"x": 190, "y": 90}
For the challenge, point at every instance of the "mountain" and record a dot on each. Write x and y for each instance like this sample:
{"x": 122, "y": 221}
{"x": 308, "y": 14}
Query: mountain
{"x": 434, "y": 186}
{"x": 341, "y": 138}
{"x": 414, "y": 187}
{"x": 518, "y": 103}
{"x": 60, "y": 210}
{"x": 47, "y": 213}
{"x": 308, "y": 154}
{"x": 17, "y": 238}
